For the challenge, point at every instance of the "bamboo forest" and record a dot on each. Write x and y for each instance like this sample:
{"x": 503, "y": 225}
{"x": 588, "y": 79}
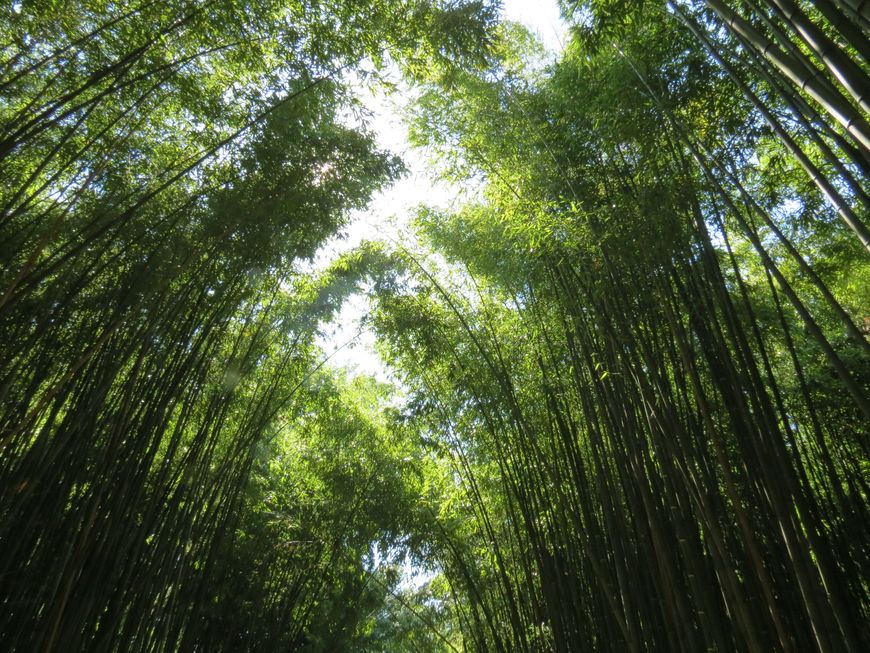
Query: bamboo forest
{"x": 616, "y": 395}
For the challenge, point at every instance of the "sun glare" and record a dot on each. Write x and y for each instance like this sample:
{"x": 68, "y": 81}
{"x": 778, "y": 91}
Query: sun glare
{"x": 346, "y": 341}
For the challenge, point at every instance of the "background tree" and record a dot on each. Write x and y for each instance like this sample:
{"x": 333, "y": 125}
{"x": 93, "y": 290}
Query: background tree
{"x": 166, "y": 166}
{"x": 627, "y": 341}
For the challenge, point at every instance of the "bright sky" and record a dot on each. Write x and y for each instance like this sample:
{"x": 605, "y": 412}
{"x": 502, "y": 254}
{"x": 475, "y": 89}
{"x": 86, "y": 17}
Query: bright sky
{"x": 347, "y": 344}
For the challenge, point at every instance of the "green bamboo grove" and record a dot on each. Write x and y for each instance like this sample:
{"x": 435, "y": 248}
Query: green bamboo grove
{"x": 630, "y": 406}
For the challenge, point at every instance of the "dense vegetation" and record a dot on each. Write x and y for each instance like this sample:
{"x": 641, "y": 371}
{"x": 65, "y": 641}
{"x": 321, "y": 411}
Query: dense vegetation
{"x": 633, "y": 407}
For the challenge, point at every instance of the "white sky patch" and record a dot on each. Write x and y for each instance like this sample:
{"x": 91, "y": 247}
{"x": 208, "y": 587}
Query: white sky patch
{"x": 541, "y": 17}
{"x": 345, "y": 340}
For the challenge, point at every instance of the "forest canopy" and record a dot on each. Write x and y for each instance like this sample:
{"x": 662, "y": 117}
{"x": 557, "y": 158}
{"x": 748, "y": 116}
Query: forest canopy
{"x": 629, "y": 405}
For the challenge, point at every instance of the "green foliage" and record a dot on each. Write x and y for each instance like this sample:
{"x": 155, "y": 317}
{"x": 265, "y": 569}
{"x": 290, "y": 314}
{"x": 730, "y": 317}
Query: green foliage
{"x": 633, "y": 406}
{"x": 637, "y": 364}
{"x": 166, "y": 166}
